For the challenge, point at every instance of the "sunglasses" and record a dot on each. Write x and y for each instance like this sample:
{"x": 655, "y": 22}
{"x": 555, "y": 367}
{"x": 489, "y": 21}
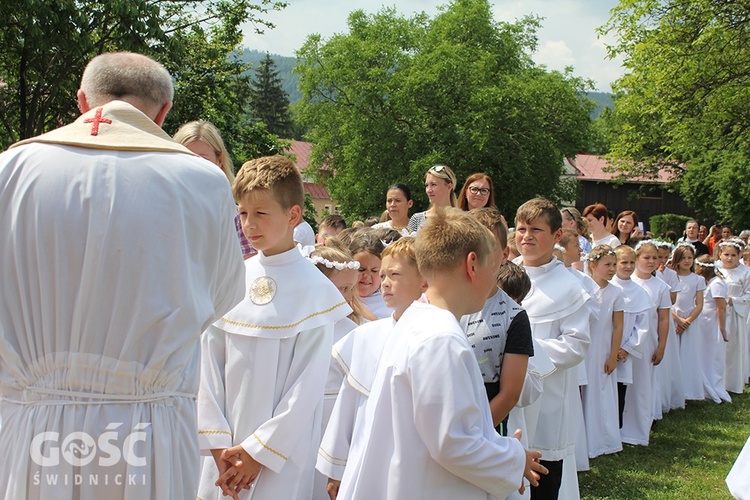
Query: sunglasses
{"x": 476, "y": 190}
{"x": 437, "y": 168}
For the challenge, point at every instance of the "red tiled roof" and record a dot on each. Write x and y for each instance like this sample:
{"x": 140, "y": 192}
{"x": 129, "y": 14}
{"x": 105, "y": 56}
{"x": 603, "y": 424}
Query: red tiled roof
{"x": 591, "y": 168}
{"x": 317, "y": 192}
{"x": 301, "y": 151}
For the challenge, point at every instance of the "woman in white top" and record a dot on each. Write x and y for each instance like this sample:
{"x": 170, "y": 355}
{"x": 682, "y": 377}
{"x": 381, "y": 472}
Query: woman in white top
{"x": 439, "y": 183}
{"x": 397, "y": 203}
{"x": 596, "y": 215}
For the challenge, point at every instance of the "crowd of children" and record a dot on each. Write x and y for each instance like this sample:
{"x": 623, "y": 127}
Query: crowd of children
{"x": 400, "y": 366}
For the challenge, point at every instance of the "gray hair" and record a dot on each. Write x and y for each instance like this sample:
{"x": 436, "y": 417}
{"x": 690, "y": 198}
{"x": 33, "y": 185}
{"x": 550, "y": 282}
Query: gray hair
{"x": 119, "y": 75}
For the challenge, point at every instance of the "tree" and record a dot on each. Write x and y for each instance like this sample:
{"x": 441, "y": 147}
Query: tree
{"x": 268, "y": 101}
{"x": 44, "y": 46}
{"x": 398, "y": 94}
{"x": 683, "y": 104}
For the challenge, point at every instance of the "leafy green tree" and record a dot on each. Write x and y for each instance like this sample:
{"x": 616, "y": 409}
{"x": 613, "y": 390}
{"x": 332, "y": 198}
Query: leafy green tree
{"x": 398, "y": 94}
{"x": 268, "y": 101}
{"x": 45, "y": 44}
{"x": 683, "y": 104}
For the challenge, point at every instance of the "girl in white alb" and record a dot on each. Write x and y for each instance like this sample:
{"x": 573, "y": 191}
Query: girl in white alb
{"x": 638, "y": 413}
{"x": 671, "y": 393}
{"x": 712, "y": 323}
{"x": 635, "y": 330}
{"x": 600, "y": 408}
{"x": 685, "y": 312}
{"x": 737, "y": 279}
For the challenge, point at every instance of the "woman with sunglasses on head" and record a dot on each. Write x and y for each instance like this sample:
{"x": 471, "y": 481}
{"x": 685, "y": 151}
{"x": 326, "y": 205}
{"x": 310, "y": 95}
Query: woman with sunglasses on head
{"x": 439, "y": 183}
{"x": 477, "y": 193}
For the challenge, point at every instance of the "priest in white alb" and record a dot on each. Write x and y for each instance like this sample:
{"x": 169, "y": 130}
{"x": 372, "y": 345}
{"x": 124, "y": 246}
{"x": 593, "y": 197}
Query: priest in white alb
{"x": 118, "y": 250}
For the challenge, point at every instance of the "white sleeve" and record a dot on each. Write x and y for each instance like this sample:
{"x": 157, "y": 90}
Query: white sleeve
{"x": 334, "y": 447}
{"x": 213, "y": 428}
{"x": 638, "y": 335}
{"x": 273, "y": 441}
{"x": 569, "y": 347}
{"x": 450, "y": 422}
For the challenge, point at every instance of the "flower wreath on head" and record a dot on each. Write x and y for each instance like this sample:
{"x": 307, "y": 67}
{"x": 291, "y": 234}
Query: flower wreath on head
{"x": 641, "y": 243}
{"x": 684, "y": 244}
{"x": 307, "y": 250}
{"x": 733, "y": 242}
{"x": 662, "y": 244}
{"x": 593, "y": 257}
{"x": 705, "y": 264}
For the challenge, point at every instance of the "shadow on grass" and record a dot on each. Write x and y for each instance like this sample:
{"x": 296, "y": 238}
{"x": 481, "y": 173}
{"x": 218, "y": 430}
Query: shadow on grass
{"x": 690, "y": 454}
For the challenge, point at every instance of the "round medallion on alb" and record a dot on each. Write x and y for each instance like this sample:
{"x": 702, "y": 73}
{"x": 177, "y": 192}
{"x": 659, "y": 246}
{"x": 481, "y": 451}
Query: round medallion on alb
{"x": 262, "y": 291}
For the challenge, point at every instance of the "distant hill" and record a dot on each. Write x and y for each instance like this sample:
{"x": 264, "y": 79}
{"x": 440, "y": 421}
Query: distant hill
{"x": 284, "y": 64}
{"x": 290, "y": 81}
{"x": 602, "y": 100}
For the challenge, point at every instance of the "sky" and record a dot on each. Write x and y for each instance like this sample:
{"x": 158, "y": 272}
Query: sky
{"x": 567, "y": 36}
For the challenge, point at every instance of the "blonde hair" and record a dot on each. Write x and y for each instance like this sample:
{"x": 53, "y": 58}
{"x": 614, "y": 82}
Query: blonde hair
{"x": 276, "y": 174}
{"x": 596, "y": 254}
{"x": 332, "y": 254}
{"x": 540, "y": 208}
{"x": 447, "y": 237}
{"x": 402, "y": 248}
{"x": 622, "y": 250}
{"x": 445, "y": 174}
{"x": 207, "y": 132}
{"x": 492, "y": 219}
{"x": 568, "y": 235}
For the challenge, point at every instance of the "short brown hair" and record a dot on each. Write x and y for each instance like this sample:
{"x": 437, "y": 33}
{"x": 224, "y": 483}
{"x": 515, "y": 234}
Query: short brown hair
{"x": 514, "y": 281}
{"x": 276, "y": 174}
{"x": 568, "y": 235}
{"x": 492, "y": 219}
{"x": 540, "y": 208}
{"x": 447, "y": 237}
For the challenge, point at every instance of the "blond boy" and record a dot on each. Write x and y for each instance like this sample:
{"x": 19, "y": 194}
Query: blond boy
{"x": 427, "y": 430}
{"x": 358, "y": 354}
{"x": 264, "y": 364}
{"x": 560, "y": 323}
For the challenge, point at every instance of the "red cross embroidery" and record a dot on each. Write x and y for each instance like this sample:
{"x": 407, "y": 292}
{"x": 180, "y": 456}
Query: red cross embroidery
{"x": 96, "y": 120}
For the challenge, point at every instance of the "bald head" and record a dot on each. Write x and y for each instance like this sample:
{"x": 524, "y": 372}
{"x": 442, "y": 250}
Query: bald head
{"x": 129, "y": 77}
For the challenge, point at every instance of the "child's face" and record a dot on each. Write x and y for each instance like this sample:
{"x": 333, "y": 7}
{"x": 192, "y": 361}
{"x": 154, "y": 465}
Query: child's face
{"x": 625, "y": 266}
{"x": 325, "y": 232}
{"x": 345, "y": 280}
{"x": 730, "y": 257}
{"x": 604, "y": 268}
{"x": 572, "y": 252}
{"x": 686, "y": 263}
{"x": 746, "y": 258}
{"x": 400, "y": 283}
{"x": 369, "y": 273}
{"x": 266, "y": 224}
{"x": 662, "y": 255}
{"x": 646, "y": 262}
{"x": 535, "y": 241}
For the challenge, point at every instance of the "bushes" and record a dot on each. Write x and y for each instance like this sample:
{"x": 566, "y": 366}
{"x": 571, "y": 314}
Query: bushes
{"x": 660, "y": 224}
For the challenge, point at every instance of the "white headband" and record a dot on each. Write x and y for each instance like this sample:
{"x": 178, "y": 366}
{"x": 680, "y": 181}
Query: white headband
{"x": 591, "y": 257}
{"x": 733, "y": 242}
{"x": 646, "y": 242}
{"x": 685, "y": 244}
{"x": 339, "y": 266}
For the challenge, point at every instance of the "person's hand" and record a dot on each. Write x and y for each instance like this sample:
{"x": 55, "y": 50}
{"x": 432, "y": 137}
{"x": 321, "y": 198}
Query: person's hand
{"x": 533, "y": 468}
{"x": 658, "y": 356}
{"x": 622, "y": 355}
{"x": 242, "y": 470}
{"x": 332, "y": 488}
{"x": 610, "y": 365}
{"x": 724, "y": 336}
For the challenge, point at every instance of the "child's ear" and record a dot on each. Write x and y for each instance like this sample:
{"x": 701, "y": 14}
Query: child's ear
{"x": 295, "y": 215}
{"x": 472, "y": 266}
{"x": 505, "y": 255}
{"x": 558, "y": 235}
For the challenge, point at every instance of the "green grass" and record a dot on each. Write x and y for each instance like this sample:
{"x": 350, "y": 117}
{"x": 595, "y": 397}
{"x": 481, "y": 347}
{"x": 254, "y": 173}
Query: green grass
{"x": 689, "y": 455}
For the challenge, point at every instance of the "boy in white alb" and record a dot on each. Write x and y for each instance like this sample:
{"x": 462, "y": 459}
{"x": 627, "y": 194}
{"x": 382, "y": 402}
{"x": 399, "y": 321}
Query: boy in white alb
{"x": 264, "y": 364}
{"x": 427, "y": 429}
{"x": 357, "y": 356}
{"x": 559, "y": 320}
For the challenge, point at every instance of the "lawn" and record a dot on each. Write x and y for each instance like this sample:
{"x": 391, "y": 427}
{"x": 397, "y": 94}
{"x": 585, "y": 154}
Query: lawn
{"x": 689, "y": 455}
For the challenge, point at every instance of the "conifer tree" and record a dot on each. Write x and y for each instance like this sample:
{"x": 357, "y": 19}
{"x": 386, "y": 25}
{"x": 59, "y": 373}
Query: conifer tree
{"x": 269, "y": 103}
